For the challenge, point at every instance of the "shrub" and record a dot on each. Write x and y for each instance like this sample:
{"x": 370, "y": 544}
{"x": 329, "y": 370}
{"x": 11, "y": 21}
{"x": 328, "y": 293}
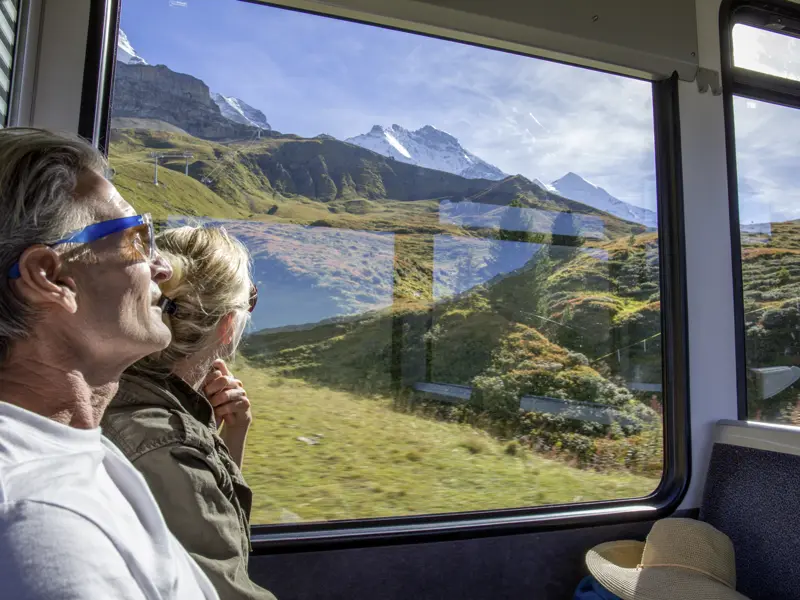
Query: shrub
{"x": 513, "y": 448}
{"x": 475, "y": 444}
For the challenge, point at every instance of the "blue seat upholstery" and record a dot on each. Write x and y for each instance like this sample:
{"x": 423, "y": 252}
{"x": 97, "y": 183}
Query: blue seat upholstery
{"x": 752, "y": 494}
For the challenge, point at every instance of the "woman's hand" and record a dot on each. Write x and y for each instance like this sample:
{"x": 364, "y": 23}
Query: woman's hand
{"x": 228, "y": 398}
{"x": 231, "y": 407}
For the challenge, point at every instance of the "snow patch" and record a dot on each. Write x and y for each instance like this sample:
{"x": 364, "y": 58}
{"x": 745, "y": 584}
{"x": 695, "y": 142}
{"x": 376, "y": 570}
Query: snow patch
{"x": 577, "y": 188}
{"x": 239, "y": 111}
{"x": 427, "y": 147}
{"x": 125, "y": 51}
{"x": 396, "y": 145}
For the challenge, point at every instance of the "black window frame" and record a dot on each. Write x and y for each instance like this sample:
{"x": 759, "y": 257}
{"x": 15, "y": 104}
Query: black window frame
{"x": 94, "y": 125}
{"x": 738, "y": 81}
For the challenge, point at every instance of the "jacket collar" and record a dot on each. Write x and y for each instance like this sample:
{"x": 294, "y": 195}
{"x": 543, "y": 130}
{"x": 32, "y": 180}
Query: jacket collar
{"x": 169, "y": 391}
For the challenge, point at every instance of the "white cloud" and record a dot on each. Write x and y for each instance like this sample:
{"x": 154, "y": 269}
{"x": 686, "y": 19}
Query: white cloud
{"x": 598, "y": 125}
{"x": 537, "y": 121}
{"x": 528, "y": 116}
{"x": 766, "y": 134}
{"x": 767, "y": 161}
{"x": 766, "y": 52}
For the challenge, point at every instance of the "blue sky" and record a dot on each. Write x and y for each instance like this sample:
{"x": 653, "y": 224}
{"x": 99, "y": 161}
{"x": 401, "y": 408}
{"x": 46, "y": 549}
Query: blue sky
{"x": 312, "y": 75}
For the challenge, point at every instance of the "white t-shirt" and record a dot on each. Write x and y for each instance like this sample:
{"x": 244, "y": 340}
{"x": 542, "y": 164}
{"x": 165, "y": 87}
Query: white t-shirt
{"x": 78, "y": 522}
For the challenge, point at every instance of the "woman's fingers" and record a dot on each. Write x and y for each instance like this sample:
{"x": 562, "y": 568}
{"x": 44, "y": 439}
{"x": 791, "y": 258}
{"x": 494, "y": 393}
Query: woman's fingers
{"x": 212, "y": 375}
{"x": 233, "y": 408}
{"x": 226, "y": 396}
{"x": 220, "y": 383}
{"x": 220, "y": 365}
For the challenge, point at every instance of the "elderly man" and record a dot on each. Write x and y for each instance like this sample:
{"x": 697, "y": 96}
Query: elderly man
{"x": 79, "y": 303}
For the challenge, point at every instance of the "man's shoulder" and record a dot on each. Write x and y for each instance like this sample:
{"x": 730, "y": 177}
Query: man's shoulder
{"x": 48, "y": 550}
{"x": 39, "y": 513}
{"x": 27, "y": 523}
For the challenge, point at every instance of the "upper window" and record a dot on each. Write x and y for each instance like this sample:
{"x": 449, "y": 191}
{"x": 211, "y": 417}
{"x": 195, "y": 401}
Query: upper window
{"x": 766, "y": 52}
{"x": 8, "y": 26}
{"x": 456, "y": 251}
{"x": 766, "y": 138}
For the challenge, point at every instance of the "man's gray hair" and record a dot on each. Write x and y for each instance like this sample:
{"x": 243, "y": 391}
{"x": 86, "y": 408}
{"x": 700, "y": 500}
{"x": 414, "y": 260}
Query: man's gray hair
{"x": 39, "y": 172}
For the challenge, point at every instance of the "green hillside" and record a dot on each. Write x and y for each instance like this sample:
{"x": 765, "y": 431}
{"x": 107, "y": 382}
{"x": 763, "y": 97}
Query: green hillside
{"x": 507, "y": 339}
{"x": 771, "y": 277}
{"x": 268, "y": 177}
{"x": 366, "y": 459}
{"x": 326, "y": 183}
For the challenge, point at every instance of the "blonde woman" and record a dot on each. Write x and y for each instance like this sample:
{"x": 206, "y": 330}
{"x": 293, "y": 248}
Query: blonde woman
{"x": 170, "y": 405}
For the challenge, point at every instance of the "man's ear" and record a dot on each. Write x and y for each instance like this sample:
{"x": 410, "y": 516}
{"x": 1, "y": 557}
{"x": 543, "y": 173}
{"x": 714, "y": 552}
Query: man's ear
{"x": 42, "y": 281}
{"x": 225, "y": 329}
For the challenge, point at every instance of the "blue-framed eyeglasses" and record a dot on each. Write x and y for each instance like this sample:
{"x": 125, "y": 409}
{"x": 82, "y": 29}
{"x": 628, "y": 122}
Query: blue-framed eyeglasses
{"x": 146, "y": 236}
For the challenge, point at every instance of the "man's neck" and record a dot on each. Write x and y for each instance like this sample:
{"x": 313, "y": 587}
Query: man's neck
{"x": 55, "y": 386}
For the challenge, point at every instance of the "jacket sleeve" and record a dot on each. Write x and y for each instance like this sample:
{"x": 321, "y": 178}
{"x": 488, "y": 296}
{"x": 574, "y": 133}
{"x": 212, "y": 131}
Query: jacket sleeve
{"x": 201, "y": 517}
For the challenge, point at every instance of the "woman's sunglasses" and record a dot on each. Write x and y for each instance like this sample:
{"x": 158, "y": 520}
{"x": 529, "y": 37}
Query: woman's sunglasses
{"x": 170, "y": 307}
{"x": 253, "y": 297}
{"x": 138, "y": 224}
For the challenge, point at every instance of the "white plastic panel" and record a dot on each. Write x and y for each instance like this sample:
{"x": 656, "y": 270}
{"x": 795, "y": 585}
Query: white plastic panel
{"x": 647, "y": 39}
{"x": 759, "y": 436}
{"x": 712, "y": 355}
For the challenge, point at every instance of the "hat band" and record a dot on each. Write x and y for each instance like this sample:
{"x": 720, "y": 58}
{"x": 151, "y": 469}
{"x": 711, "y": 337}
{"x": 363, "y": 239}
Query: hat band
{"x": 704, "y": 572}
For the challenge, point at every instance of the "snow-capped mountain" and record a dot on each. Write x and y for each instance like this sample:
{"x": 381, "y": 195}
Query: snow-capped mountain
{"x": 126, "y": 53}
{"x": 240, "y": 112}
{"x": 546, "y": 186}
{"x": 576, "y": 188}
{"x": 427, "y": 147}
{"x": 233, "y": 109}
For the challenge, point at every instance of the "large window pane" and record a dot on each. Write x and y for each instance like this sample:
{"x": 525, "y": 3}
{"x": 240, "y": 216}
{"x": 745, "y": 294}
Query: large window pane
{"x": 769, "y": 213}
{"x": 456, "y": 251}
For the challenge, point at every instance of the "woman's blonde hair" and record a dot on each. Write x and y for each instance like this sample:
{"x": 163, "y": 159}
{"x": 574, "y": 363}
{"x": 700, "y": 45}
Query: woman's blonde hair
{"x": 211, "y": 279}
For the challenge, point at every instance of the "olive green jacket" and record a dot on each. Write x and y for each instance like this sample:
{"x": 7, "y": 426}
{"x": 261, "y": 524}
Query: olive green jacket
{"x": 167, "y": 430}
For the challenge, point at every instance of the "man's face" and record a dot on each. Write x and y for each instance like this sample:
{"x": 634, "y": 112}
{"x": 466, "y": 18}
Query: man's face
{"x": 117, "y": 317}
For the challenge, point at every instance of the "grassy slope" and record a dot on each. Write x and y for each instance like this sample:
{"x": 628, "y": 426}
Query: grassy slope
{"x": 237, "y": 191}
{"x": 373, "y": 461}
{"x": 175, "y": 195}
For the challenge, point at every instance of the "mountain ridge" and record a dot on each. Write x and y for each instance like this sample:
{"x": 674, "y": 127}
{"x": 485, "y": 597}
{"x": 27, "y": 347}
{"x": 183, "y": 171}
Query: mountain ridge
{"x": 575, "y": 187}
{"x": 239, "y": 111}
{"x": 427, "y": 147}
{"x": 231, "y": 108}
{"x": 126, "y": 52}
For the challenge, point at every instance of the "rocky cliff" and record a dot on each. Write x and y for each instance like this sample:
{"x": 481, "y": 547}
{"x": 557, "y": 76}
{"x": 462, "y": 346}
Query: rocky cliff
{"x": 157, "y": 92}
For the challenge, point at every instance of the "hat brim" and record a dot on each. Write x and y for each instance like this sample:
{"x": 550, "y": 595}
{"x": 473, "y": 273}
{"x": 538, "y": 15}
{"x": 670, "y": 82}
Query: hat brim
{"x": 614, "y": 565}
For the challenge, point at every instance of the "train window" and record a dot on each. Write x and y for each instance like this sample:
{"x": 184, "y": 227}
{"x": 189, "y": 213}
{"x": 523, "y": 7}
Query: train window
{"x": 765, "y": 120}
{"x": 766, "y": 52}
{"x": 8, "y": 25}
{"x": 456, "y": 249}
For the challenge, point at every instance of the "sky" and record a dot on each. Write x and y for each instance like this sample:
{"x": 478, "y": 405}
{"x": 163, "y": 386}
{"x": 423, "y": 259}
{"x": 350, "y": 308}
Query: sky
{"x": 312, "y": 75}
{"x": 767, "y": 136}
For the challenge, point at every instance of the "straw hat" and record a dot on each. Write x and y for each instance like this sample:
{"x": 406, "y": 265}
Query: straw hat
{"x": 682, "y": 559}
